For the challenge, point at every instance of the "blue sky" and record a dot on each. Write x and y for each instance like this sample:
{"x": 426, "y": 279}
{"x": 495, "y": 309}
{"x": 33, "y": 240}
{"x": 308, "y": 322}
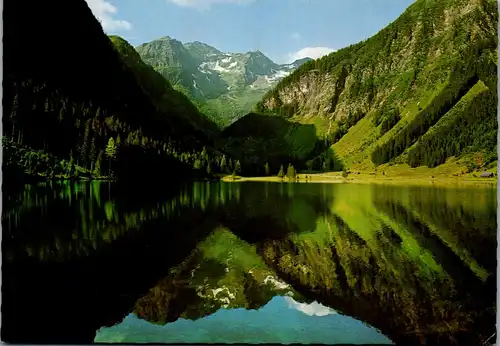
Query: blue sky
{"x": 282, "y": 29}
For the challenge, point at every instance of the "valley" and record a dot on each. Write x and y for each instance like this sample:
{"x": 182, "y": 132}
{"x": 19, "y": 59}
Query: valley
{"x": 383, "y": 102}
{"x": 159, "y": 191}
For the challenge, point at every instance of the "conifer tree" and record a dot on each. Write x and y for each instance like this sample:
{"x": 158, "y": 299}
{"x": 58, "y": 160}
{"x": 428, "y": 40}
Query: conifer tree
{"x": 110, "y": 152}
{"x": 223, "y": 164}
{"x": 118, "y": 144}
{"x": 237, "y": 167}
{"x": 197, "y": 164}
{"x": 266, "y": 169}
{"x": 290, "y": 172}
{"x": 281, "y": 173}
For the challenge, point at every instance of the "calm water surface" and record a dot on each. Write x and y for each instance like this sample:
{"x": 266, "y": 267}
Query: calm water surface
{"x": 249, "y": 263}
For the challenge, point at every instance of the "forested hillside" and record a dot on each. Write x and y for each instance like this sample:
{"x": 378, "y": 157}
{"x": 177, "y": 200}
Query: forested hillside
{"x": 422, "y": 90}
{"x": 87, "y": 107}
{"x": 265, "y": 144}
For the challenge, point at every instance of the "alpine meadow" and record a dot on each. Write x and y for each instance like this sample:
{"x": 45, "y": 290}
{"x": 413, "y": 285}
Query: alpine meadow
{"x": 250, "y": 172}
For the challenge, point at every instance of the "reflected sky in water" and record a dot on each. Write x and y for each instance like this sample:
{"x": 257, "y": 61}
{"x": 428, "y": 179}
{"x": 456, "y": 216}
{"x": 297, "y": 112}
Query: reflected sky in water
{"x": 282, "y": 320}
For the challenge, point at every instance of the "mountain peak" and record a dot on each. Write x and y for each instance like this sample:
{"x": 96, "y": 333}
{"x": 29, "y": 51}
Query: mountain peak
{"x": 256, "y": 53}
{"x": 201, "y": 50}
{"x": 228, "y": 82}
{"x": 162, "y": 41}
{"x": 259, "y": 56}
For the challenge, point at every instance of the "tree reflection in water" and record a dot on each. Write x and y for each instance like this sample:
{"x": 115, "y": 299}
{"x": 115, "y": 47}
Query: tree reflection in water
{"x": 416, "y": 263}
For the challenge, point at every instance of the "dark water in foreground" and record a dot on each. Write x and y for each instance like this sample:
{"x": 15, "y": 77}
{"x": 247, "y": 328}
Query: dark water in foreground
{"x": 249, "y": 263}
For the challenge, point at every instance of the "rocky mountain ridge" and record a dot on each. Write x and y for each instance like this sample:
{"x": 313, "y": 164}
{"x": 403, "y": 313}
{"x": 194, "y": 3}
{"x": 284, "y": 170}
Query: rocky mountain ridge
{"x": 224, "y": 85}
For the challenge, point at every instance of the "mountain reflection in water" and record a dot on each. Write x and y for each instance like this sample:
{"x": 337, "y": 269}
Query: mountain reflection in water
{"x": 320, "y": 263}
{"x": 282, "y": 320}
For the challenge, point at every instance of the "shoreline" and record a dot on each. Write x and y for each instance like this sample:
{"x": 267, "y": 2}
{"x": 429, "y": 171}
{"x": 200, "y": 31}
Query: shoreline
{"x": 364, "y": 178}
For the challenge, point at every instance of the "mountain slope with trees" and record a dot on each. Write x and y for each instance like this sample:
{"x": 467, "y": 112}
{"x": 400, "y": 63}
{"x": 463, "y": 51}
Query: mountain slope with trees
{"x": 267, "y": 144}
{"x": 420, "y": 91}
{"x": 112, "y": 116}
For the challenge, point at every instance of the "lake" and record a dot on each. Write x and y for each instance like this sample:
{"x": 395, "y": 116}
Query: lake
{"x": 249, "y": 262}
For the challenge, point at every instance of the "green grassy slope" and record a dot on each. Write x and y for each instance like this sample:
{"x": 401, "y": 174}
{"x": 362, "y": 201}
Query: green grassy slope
{"x": 377, "y": 100}
{"x": 226, "y": 109}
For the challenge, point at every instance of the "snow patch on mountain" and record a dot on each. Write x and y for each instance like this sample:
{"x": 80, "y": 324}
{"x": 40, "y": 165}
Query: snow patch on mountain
{"x": 202, "y": 70}
{"x": 220, "y": 68}
{"x": 235, "y": 66}
{"x": 280, "y": 74}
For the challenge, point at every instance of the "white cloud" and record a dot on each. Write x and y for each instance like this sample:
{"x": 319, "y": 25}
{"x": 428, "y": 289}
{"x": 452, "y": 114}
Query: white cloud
{"x": 309, "y": 52}
{"x": 313, "y": 309}
{"x": 206, "y": 4}
{"x": 295, "y": 36}
{"x": 105, "y": 12}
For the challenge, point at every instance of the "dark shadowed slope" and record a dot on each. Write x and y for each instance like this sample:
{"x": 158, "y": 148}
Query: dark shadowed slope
{"x": 78, "y": 106}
